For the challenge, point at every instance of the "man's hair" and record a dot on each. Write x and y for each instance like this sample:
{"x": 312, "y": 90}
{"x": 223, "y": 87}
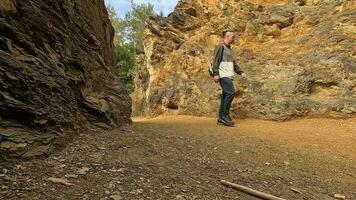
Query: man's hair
{"x": 225, "y": 33}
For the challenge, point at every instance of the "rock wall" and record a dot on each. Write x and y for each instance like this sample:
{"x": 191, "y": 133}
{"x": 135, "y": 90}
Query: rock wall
{"x": 299, "y": 57}
{"x": 57, "y": 74}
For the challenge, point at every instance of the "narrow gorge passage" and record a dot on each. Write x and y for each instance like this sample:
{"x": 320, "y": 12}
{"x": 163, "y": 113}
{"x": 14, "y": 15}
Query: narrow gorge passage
{"x": 184, "y": 157}
{"x": 73, "y": 73}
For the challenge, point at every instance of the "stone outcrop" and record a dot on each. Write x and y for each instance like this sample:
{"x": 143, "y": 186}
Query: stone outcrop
{"x": 299, "y": 58}
{"x": 57, "y": 74}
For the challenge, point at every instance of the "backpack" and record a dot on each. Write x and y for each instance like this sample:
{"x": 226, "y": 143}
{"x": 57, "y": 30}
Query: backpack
{"x": 210, "y": 70}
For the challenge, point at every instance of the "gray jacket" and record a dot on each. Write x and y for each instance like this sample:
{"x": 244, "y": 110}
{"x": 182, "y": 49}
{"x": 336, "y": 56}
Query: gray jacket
{"x": 224, "y": 64}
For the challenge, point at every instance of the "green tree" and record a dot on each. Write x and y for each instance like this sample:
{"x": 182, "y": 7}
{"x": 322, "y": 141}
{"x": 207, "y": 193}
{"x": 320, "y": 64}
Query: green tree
{"x": 128, "y": 38}
{"x": 134, "y": 23}
{"x": 126, "y": 62}
{"x": 117, "y": 24}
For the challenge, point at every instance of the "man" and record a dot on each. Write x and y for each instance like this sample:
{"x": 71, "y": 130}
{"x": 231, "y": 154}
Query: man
{"x": 224, "y": 68}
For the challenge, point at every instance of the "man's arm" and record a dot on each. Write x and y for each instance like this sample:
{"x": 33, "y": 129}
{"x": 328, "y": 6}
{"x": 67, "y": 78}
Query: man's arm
{"x": 237, "y": 69}
{"x": 218, "y": 54}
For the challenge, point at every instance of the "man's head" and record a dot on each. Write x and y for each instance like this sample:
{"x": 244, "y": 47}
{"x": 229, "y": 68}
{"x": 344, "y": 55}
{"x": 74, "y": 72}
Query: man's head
{"x": 229, "y": 37}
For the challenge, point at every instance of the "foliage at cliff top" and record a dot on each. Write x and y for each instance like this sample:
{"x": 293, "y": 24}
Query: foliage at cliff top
{"x": 128, "y": 38}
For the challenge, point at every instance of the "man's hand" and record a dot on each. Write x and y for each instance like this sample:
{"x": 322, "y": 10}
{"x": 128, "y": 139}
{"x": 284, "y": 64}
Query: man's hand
{"x": 216, "y": 78}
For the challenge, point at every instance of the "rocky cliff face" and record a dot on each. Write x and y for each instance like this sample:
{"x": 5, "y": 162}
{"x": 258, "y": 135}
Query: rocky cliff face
{"x": 56, "y": 73}
{"x": 299, "y": 57}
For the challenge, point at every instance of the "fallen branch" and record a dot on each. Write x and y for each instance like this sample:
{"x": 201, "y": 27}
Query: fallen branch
{"x": 250, "y": 191}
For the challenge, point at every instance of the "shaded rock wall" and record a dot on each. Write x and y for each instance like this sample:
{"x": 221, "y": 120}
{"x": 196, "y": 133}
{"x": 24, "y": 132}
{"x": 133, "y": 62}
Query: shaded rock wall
{"x": 299, "y": 57}
{"x": 57, "y": 73}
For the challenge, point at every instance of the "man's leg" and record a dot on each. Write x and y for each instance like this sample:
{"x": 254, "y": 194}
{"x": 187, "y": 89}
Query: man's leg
{"x": 222, "y": 106}
{"x": 229, "y": 98}
{"x": 222, "y": 109}
{"x": 228, "y": 93}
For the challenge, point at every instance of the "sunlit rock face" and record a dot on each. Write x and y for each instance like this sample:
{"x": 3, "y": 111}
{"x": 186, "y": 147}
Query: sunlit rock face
{"x": 299, "y": 57}
{"x": 57, "y": 74}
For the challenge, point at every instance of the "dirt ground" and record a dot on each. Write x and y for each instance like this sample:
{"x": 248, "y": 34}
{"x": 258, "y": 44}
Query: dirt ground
{"x": 184, "y": 158}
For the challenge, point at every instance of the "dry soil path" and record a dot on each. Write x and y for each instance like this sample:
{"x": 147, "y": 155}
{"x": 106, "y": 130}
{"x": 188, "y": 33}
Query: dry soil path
{"x": 183, "y": 157}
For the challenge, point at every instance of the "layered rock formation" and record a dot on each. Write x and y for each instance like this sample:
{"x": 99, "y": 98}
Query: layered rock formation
{"x": 299, "y": 57}
{"x": 57, "y": 73}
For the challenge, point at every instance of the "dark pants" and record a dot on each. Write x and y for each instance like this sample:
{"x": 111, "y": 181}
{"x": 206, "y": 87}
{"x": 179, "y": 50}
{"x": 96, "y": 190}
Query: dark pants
{"x": 228, "y": 94}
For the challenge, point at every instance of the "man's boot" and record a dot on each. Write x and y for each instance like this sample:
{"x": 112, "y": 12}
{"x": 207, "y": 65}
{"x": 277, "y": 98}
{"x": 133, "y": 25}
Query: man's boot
{"x": 224, "y": 121}
{"x": 230, "y": 119}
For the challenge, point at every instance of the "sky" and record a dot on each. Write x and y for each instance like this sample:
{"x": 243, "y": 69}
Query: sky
{"x": 123, "y": 6}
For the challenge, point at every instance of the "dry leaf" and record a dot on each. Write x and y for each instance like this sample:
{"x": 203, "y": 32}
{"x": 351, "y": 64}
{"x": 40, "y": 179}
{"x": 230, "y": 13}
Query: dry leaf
{"x": 338, "y": 196}
{"x": 71, "y": 176}
{"x": 60, "y": 180}
{"x": 296, "y": 190}
{"x": 102, "y": 148}
{"x": 83, "y": 170}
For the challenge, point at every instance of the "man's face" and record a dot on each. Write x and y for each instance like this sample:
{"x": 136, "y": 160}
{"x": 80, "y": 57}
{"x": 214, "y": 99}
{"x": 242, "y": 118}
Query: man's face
{"x": 230, "y": 38}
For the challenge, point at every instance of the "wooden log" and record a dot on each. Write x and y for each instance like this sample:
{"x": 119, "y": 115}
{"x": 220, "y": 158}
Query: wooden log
{"x": 250, "y": 191}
